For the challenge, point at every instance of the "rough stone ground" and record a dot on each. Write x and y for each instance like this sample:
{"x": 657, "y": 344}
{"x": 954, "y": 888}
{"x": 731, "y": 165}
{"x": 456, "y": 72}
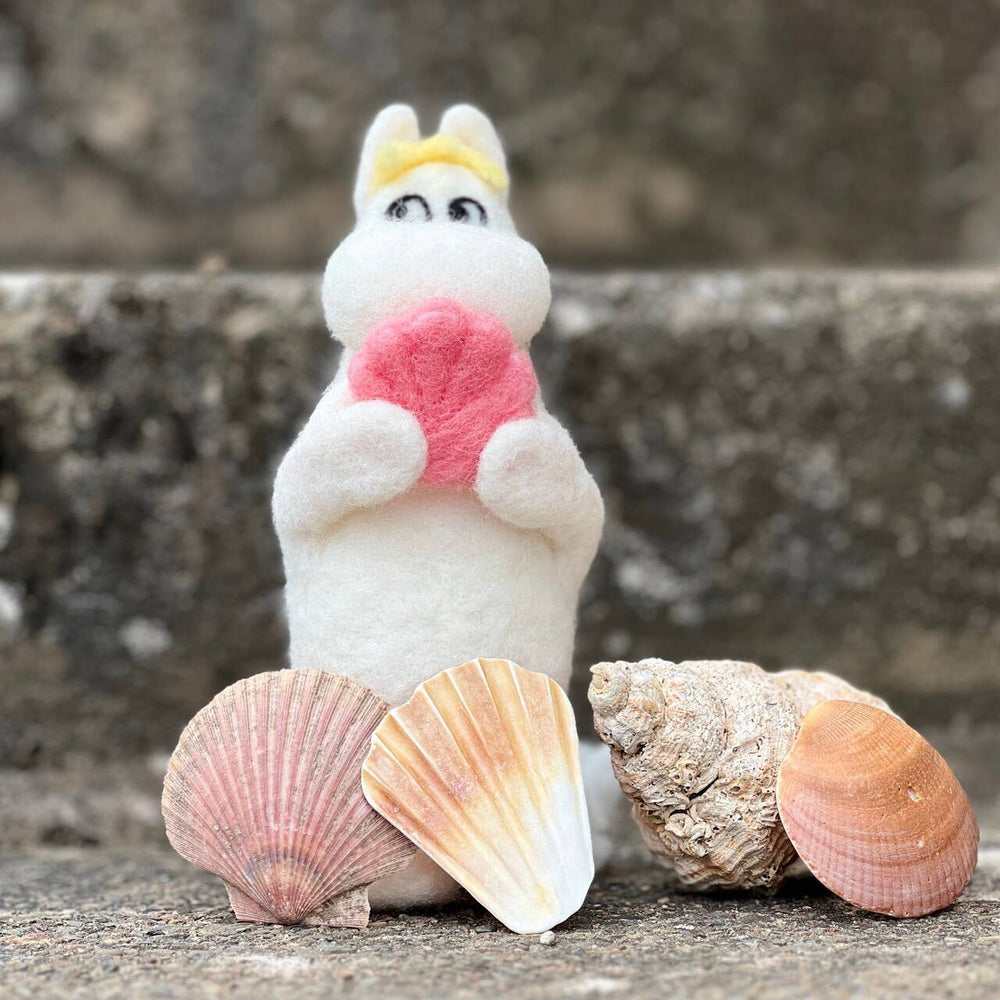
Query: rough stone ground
{"x": 142, "y": 923}
{"x": 135, "y": 920}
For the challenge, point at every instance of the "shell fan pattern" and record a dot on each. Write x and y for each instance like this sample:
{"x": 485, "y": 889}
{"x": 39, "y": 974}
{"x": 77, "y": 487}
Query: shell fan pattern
{"x": 264, "y": 790}
{"x": 480, "y": 769}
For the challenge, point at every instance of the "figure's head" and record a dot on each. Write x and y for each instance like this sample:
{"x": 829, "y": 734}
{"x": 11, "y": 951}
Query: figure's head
{"x": 433, "y": 222}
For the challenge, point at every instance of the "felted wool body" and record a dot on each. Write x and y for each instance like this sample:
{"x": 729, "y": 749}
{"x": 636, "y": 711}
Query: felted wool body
{"x": 458, "y": 372}
{"x": 408, "y": 550}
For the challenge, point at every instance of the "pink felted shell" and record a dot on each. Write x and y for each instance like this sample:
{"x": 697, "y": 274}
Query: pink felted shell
{"x": 458, "y": 372}
{"x": 264, "y": 790}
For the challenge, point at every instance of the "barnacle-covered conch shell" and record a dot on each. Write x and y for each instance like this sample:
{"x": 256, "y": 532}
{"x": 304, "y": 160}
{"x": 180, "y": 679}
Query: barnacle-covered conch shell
{"x": 697, "y": 746}
{"x": 264, "y": 790}
{"x": 481, "y": 770}
{"x": 875, "y": 812}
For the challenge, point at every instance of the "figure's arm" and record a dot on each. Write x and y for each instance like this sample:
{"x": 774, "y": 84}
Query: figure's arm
{"x": 531, "y": 475}
{"x": 344, "y": 459}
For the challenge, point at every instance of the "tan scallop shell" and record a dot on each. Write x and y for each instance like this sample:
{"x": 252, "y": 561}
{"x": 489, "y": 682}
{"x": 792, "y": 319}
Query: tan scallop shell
{"x": 697, "y": 746}
{"x": 264, "y": 790}
{"x": 480, "y": 769}
{"x": 875, "y": 813}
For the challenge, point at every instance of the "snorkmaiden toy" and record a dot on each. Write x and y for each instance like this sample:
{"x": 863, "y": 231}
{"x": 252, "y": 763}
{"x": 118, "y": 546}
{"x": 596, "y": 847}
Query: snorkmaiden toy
{"x": 431, "y": 511}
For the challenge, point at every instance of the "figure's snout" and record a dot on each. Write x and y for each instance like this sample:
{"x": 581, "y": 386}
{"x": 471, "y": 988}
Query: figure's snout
{"x": 383, "y": 271}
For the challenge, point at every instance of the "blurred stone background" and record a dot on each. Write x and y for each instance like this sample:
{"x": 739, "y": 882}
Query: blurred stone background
{"x": 800, "y": 469}
{"x": 722, "y": 132}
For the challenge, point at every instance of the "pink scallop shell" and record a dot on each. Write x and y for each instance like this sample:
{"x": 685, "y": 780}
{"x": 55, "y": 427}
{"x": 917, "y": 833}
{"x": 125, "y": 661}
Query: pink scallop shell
{"x": 264, "y": 790}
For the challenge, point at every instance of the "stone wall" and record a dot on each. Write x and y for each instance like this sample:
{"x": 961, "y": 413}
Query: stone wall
{"x": 725, "y": 131}
{"x": 799, "y": 469}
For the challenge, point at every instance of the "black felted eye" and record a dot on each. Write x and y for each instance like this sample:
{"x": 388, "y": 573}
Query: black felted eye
{"x": 467, "y": 210}
{"x": 409, "y": 208}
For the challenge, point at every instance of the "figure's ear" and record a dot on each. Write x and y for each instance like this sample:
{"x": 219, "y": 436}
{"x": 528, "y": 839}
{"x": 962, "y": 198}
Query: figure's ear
{"x": 396, "y": 123}
{"x": 471, "y": 126}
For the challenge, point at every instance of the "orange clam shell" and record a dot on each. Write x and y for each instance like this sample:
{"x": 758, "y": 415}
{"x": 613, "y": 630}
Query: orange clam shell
{"x": 875, "y": 812}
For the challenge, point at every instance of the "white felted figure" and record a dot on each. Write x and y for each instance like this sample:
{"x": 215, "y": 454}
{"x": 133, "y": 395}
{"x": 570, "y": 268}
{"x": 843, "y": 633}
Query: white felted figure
{"x": 431, "y": 511}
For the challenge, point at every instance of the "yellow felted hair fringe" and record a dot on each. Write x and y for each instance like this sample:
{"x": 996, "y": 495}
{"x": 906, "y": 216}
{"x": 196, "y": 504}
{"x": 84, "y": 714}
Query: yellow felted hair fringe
{"x": 397, "y": 158}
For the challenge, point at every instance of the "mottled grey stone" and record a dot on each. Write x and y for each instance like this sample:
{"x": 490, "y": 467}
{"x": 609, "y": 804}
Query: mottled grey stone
{"x": 142, "y": 420}
{"x": 639, "y": 133}
{"x": 799, "y": 469}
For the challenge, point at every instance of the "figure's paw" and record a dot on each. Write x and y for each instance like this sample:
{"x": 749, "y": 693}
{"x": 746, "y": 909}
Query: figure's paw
{"x": 376, "y": 452}
{"x": 530, "y": 473}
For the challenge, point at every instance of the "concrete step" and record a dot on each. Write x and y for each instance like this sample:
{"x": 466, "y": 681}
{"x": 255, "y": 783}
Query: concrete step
{"x": 142, "y": 922}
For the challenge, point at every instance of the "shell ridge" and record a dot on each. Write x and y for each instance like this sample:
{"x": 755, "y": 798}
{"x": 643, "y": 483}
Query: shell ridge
{"x": 299, "y": 795}
{"x": 188, "y": 834}
{"x": 546, "y": 819}
{"x": 356, "y": 834}
{"x": 566, "y": 770}
{"x": 205, "y": 765}
{"x": 340, "y": 761}
{"x": 385, "y": 848}
{"x": 271, "y": 868}
{"x": 516, "y": 744}
{"x": 277, "y": 794}
{"x": 443, "y": 802}
{"x": 325, "y": 765}
{"x": 289, "y": 800}
{"x": 461, "y": 873}
{"x": 571, "y": 749}
{"x": 302, "y": 788}
{"x": 207, "y": 822}
{"x": 238, "y": 781}
{"x": 417, "y": 779}
{"x": 520, "y": 829}
{"x": 567, "y": 837}
{"x": 270, "y": 803}
{"x": 275, "y": 789}
{"x": 540, "y": 798}
{"x": 570, "y": 744}
{"x": 231, "y": 779}
{"x": 179, "y": 791}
